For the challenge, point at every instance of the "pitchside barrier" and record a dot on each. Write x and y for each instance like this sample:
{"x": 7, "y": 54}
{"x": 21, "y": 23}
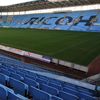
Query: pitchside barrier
{"x": 70, "y": 64}
{"x": 44, "y": 58}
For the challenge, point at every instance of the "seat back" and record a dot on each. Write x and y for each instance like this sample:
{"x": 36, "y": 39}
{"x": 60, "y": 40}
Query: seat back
{"x": 71, "y": 91}
{"x": 3, "y": 93}
{"x": 59, "y": 87}
{"x": 16, "y": 76}
{"x": 41, "y": 81}
{"x": 18, "y": 86}
{"x": 86, "y": 96}
{"x": 31, "y": 82}
{"x": 11, "y": 70}
{"x": 56, "y": 98}
{"x": 56, "y": 82}
{"x": 3, "y": 79}
{"x": 31, "y": 77}
{"x": 39, "y": 94}
{"x": 20, "y": 73}
{"x": 5, "y": 71}
{"x": 67, "y": 96}
{"x": 49, "y": 89}
{"x": 13, "y": 96}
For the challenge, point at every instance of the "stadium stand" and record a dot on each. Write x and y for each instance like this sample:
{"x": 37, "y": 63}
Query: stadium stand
{"x": 36, "y": 87}
{"x": 75, "y": 21}
{"x": 22, "y": 81}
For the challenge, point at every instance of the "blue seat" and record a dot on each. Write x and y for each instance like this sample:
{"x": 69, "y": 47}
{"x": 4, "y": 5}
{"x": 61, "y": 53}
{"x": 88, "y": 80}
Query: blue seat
{"x": 86, "y": 96}
{"x": 43, "y": 77}
{"x": 8, "y": 89}
{"x": 41, "y": 81}
{"x": 16, "y": 76}
{"x": 23, "y": 71}
{"x": 5, "y": 71}
{"x": 13, "y": 96}
{"x": 31, "y": 77}
{"x": 39, "y": 94}
{"x": 49, "y": 89}
{"x": 59, "y": 87}
{"x": 71, "y": 91}
{"x": 77, "y": 89}
{"x": 3, "y": 67}
{"x": 67, "y": 96}
{"x": 32, "y": 74}
{"x": 3, "y": 93}
{"x": 85, "y": 91}
{"x": 56, "y": 82}
{"x": 56, "y": 98}
{"x": 20, "y": 73}
{"x": 18, "y": 86}
{"x": 3, "y": 79}
{"x": 78, "y": 93}
{"x": 11, "y": 70}
{"x": 31, "y": 82}
{"x": 71, "y": 86}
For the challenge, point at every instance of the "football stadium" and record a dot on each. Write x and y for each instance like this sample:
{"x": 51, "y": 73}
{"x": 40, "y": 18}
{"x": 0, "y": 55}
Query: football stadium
{"x": 50, "y": 50}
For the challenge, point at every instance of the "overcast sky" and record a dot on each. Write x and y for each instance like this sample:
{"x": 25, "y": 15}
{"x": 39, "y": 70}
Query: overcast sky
{"x": 9, "y": 2}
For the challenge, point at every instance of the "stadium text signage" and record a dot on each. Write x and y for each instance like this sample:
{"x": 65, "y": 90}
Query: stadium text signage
{"x": 66, "y": 20}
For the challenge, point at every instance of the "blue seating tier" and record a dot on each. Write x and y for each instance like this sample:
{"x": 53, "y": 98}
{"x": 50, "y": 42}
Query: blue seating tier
{"x": 23, "y": 84}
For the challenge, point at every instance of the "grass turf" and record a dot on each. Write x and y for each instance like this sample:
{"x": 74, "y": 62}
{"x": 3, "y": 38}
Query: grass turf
{"x": 77, "y": 47}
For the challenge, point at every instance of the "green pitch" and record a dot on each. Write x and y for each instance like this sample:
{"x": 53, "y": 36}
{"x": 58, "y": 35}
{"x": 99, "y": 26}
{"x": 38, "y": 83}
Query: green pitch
{"x": 77, "y": 47}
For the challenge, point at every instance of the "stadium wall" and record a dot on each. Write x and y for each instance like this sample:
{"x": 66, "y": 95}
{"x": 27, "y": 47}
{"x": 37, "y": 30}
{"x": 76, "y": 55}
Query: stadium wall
{"x": 94, "y": 66}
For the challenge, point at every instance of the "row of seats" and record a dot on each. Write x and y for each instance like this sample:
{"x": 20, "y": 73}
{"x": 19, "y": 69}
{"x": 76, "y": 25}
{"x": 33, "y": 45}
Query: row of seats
{"x": 53, "y": 87}
{"x": 37, "y": 87}
{"x": 8, "y": 94}
{"x": 16, "y": 63}
{"x": 77, "y": 21}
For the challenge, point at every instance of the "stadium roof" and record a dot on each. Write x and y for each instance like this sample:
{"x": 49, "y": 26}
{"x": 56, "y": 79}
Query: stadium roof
{"x": 11, "y": 2}
{"x": 45, "y": 4}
